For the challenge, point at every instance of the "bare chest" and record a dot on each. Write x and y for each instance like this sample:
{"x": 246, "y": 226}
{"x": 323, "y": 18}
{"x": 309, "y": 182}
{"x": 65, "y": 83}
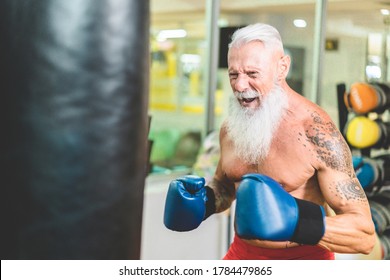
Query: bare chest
{"x": 288, "y": 162}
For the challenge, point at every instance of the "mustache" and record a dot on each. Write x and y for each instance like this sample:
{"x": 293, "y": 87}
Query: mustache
{"x": 247, "y": 94}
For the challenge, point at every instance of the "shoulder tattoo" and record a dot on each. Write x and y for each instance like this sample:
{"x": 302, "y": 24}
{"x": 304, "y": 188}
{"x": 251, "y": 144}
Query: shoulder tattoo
{"x": 329, "y": 145}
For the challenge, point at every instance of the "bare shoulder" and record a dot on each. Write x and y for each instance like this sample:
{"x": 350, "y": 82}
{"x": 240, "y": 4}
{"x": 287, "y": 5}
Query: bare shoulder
{"x": 329, "y": 148}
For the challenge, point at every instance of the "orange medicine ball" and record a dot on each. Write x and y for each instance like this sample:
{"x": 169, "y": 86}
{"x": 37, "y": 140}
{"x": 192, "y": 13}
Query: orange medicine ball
{"x": 362, "y": 98}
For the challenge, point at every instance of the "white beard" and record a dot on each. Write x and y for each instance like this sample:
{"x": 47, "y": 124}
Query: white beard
{"x": 251, "y": 130}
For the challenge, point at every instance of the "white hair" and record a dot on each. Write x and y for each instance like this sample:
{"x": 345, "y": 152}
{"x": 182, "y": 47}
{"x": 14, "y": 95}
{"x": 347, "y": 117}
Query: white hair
{"x": 261, "y": 32}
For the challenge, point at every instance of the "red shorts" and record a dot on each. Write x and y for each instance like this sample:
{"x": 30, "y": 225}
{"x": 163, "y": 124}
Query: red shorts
{"x": 240, "y": 250}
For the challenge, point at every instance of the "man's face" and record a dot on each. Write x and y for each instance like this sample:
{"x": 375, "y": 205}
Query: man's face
{"x": 252, "y": 67}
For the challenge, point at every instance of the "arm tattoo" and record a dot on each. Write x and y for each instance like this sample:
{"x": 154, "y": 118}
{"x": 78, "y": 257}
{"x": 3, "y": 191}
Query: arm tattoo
{"x": 350, "y": 190}
{"x": 330, "y": 146}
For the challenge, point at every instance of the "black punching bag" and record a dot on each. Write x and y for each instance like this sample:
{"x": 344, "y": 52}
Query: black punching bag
{"x": 74, "y": 83}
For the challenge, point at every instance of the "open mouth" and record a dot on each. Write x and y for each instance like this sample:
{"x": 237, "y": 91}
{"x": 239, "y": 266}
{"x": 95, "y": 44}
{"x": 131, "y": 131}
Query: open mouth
{"x": 248, "y": 100}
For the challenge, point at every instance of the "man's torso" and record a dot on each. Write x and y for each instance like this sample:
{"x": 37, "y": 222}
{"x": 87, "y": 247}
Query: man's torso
{"x": 289, "y": 162}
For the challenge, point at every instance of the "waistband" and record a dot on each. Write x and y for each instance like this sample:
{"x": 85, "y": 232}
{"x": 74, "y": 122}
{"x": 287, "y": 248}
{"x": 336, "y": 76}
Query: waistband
{"x": 242, "y": 250}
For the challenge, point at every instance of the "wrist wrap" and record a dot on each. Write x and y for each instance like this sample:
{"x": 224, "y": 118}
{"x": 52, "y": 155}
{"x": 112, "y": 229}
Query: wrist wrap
{"x": 311, "y": 223}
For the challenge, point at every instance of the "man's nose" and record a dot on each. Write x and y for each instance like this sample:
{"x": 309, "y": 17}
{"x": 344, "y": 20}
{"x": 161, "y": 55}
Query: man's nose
{"x": 242, "y": 83}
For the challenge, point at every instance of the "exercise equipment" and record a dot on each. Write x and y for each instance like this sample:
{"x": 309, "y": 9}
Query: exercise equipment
{"x": 372, "y": 172}
{"x": 380, "y": 211}
{"x": 362, "y": 132}
{"x": 368, "y": 97}
{"x": 366, "y": 171}
{"x": 342, "y": 108}
{"x": 75, "y": 84}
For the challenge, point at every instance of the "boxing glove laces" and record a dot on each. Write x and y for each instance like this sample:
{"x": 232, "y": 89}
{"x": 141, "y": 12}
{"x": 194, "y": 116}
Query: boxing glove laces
{"x": 264, "y": 210}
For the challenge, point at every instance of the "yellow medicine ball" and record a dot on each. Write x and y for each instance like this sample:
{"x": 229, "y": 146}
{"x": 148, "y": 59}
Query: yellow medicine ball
{"x": 362, "y": 132}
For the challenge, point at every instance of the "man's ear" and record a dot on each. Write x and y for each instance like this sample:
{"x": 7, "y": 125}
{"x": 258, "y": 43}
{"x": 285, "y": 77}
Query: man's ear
{"x": 284, "y": 67}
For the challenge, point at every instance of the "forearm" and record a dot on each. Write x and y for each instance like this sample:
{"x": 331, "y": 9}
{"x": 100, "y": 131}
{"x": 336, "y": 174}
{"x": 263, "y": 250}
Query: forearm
{"x": 349, "y": 233}
{"x": 224, "y": 194}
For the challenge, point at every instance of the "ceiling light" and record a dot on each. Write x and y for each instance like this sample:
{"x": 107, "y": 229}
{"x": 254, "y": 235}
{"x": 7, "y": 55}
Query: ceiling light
{"x": 300, "y": 23}
{"x": 171, "y": 33}
{"x": 385, "y": 12}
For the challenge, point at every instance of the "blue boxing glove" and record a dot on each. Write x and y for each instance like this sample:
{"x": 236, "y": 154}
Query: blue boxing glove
{"x": 188, "y": 203}
{"x": 264, "y": 210}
